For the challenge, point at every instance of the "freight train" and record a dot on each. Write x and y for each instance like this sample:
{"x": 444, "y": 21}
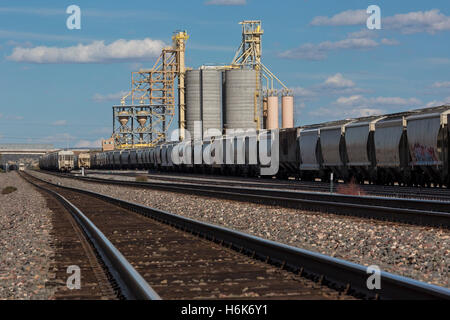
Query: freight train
{"x": 410, "y": 148}
{"x": 82, "y": 160}
{"x": 58, "y": 161}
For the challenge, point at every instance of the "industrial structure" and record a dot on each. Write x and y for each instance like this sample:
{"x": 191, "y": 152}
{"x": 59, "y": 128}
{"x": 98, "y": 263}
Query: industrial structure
{"x": 241, "y": 95}
{"x": 147, "y": 111}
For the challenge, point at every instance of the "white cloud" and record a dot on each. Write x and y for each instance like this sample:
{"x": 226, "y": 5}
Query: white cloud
{"x": 359, "y": 106}
{"x": 298, "y": 108}
{"x": 445, "y": 84}
{"x": 389, "y": 42}
{"x": 59, "y": 123}
{"x": 34, "y": 11}
{"x": 310, "y": 51}
{"x": 359, "y": 100}
{"x": 335, "y": 84}
{"x": 109, "y": 97}
{"x": 96, "y": 52}
{"x": 13, "y": 117}
{"x": 351, "y": 101}
{"x": 438, "y": 103}
{"x": 431, "y": 21}
{"x": 345, "y": 113}
{"x": 226, "y": 2}
{"x": 98, "y": 13}
{"x": 366, "y": 112}
{"x": 338, "y": 81}
{"x": 89, "y": 144}
{"x": 302, "y": 92}
{"x": 25, "y": 44}
{"x": 41, "y": 36}
{"x": 345, "y": 18}
{"x": 63, "y": 138}
{"x": 394, "y": 101}
{"x": 363, "y": 33}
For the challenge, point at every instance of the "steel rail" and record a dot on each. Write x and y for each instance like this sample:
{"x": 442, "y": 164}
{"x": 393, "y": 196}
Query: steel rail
{"x": 131, "y": 283}
{"x": 376, "y": 190}
{"x": 414, "y": 211}
{"x": 383, "y": 191}
{"x": 335, "y": 272}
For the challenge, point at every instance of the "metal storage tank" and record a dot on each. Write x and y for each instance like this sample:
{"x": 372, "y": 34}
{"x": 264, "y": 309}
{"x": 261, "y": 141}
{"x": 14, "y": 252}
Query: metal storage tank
{"x": 242, "y": 105}
{"x": 272, "y": 112}
{"x": 211, "y": 103}
{"x": 193, "y": 99}
{"x": 287, "y": 112}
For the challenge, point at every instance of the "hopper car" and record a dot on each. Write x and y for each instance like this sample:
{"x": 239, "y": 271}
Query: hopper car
{"x": 408, "y": 148}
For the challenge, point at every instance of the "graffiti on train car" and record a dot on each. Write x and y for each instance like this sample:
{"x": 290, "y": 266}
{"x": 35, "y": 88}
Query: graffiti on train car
{"x": 423, "y": 154}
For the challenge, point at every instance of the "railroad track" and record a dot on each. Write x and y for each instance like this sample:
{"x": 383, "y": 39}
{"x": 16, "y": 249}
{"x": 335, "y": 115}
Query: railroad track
{"x": 413, "y": 211}
{"x": 318, "y": 186}
{"x": 72, "y": 248}
{"x": 185, "y": 259}
{"x": 105, "y": 273}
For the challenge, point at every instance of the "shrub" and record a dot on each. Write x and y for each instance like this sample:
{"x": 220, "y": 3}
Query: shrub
{"x": 9, "y": 190}
{"x": 351, "y": 188}
{"x": 141, "y": 179}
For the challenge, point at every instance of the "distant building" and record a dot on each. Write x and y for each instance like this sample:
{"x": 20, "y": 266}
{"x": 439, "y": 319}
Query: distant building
{"x": 108, "y": 144}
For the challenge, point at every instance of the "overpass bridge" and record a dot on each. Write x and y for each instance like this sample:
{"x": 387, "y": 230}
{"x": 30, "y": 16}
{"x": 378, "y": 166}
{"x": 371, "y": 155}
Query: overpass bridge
{"x": 25, "y": 149}
{"x": 28, "y": 154}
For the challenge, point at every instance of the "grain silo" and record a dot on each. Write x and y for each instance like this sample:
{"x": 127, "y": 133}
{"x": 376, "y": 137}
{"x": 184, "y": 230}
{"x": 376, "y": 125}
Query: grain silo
{"x": 287, "y": 111}
{"x": 242, "y": 99}
{"x": 272, "y": 112}
{"x": 193, "y": 100}
{"x": 211, "y": 103}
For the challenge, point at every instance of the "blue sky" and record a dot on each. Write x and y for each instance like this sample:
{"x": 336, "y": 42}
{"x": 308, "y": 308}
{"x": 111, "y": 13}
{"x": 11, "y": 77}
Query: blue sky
{"x": 52, "y": 92}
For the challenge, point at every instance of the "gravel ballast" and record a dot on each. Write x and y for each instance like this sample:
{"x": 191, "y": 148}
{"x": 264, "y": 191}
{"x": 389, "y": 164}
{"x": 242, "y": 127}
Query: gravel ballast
{"x": 25, "y": 251}
{"x": 417, "y": 252}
